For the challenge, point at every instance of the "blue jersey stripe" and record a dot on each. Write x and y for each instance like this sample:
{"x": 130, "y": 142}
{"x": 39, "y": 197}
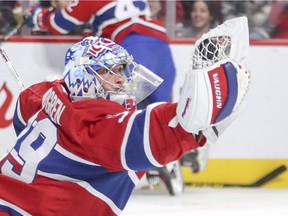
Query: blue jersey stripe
{"x": 10, "y": 210}
{"x": 63, "y": 23}
{"x": 136, "y": 157}
{"x": 17, "y": 120}
{"x": 107, "y": 182}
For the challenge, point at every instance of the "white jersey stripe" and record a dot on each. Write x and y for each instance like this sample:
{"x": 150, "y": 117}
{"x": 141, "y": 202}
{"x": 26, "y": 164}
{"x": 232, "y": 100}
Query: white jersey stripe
{"x": 72, "y": 156}
{"x": 125, "y": 139}
{"x": 55, "y": 26}
{"x": 146, "y": 136}
{"x": 101, "y": 196}
{"x": 19, "y": 114}
{"x": 139, "y": 21}
{"x": 16, "y": 208}
{"x": 86, "y": 186}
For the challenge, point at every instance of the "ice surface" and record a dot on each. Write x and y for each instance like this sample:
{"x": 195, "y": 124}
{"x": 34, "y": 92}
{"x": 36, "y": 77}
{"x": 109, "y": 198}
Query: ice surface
{"x": 210, "y": 202}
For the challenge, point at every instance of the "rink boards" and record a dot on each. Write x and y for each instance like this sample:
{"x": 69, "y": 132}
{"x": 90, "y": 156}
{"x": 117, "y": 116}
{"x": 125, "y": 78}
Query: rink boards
{"x": 244, "y": 172}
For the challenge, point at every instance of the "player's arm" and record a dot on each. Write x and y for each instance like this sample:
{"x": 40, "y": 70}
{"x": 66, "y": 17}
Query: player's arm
{"x": 136, "y": 141}
{"x": 152, "y": 143}
{"x": 60, "y": 21}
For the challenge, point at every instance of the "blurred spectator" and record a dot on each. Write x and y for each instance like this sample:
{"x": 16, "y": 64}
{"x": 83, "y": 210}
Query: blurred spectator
{"x": 257, "y": 13}
{"x": 156, "y": 9}
{"x": 158, "y": 12}
{"x": 202, "y": 19}
{"x": 7, "y": 20}
{"x": 278, "y": 19}
{"x": 11, "y": 13}
{"x": 187, "y": 7}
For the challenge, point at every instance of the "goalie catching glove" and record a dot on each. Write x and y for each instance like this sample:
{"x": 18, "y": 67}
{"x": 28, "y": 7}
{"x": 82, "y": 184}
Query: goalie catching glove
{"x": 211, "y": 94}
{"x": 218, "y": 80}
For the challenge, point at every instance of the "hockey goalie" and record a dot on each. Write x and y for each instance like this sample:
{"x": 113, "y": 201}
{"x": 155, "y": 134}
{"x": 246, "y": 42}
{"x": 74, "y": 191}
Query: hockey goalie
{"x": 82, "y": 146}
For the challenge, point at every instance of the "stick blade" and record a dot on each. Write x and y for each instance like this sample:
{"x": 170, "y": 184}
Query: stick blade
{"x": 263, "y": 180}
{"x": 276, "y": 172}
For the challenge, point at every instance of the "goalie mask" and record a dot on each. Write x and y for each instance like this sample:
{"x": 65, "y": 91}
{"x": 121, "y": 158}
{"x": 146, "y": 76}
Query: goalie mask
{"x": 90, "y": 65}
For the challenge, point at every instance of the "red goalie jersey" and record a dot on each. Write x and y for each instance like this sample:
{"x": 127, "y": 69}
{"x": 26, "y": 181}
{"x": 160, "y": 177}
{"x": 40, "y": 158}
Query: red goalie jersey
{"x": 88, "y": 154}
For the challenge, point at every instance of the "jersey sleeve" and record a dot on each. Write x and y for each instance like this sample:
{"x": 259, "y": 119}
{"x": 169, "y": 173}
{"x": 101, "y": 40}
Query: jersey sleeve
{"x": 124, "y": 140}
{"x": 74, "y": 14}
{"x": 159, "y": 144}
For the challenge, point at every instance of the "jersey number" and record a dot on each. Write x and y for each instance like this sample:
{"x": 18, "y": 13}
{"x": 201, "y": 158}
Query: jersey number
{"x": 126, "y": 9}
{"x": 33, "y": 148}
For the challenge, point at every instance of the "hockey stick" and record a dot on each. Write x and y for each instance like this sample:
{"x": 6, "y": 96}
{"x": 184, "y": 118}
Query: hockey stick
{"x": 11, "y": 68}
{"x": 4, "y": 55}
{"x": 265, "y": 179}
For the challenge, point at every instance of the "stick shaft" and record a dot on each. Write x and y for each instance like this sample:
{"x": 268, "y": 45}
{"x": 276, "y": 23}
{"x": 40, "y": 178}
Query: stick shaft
{"x": 10, "y": 67}
{"x": 4, "y": 55}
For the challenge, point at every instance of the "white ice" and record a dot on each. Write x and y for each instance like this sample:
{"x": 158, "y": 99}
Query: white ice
{"x": 209, "y": 202}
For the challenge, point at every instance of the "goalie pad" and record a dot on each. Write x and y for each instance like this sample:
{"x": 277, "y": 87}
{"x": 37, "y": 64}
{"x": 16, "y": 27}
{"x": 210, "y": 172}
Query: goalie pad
{"x": 219, "y": 80}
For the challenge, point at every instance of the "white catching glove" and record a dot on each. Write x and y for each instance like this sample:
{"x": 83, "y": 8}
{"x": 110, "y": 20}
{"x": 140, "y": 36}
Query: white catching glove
{"x": 213, "y": 133}
{"x": 210, "y": 95}
{"x": 218, "y": 80}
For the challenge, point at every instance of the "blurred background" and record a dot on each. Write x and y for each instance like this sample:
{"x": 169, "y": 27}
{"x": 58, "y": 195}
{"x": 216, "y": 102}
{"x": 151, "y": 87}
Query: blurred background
{"x": 183, "y": 19}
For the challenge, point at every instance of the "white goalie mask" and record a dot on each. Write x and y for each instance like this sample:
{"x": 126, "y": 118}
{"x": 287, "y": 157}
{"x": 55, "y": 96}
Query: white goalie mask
{"x": 86, "y": 59}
